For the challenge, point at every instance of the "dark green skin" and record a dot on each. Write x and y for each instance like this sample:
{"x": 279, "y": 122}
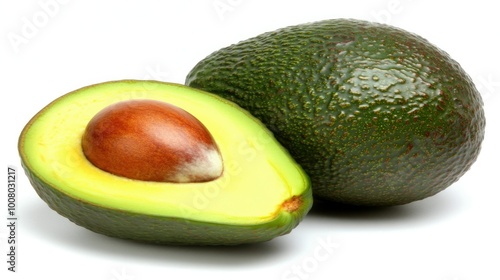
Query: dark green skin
{"x": 374, "y": 114}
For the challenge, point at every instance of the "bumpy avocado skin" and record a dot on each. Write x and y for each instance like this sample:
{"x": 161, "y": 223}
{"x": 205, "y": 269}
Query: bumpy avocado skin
{"x": 163, "y": 230}
{"x": 374, "y": 114}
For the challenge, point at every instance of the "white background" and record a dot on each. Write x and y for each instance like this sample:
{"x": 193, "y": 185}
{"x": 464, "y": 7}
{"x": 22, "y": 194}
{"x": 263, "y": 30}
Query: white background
{"x": 49, "y": 48}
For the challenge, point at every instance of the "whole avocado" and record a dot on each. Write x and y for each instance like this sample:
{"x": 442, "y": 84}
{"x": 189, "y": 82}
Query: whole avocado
{"x": 376, "y": 115}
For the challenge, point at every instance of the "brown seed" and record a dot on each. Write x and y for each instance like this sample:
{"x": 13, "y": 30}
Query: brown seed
{"x": 151, "y": 140}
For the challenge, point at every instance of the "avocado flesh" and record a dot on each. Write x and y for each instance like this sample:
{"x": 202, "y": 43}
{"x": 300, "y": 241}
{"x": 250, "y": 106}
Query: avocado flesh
{"x": 375, "y": 115}
{"x": 244, "y": 205}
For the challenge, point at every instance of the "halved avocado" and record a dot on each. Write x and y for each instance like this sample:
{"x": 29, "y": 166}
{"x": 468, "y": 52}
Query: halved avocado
{"x": 262, "y": 193}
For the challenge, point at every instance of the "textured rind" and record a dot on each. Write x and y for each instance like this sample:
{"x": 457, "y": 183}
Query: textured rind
{"x": 374, "y": 114}
{"x": 163, "y": 230}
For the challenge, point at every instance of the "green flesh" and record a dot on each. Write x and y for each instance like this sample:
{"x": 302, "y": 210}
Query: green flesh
{"x": 244, "y": 205}
{"x": 375, "y": 115}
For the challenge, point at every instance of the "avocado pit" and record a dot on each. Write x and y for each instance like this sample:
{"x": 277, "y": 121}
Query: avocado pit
{"x": 151, "y": 140}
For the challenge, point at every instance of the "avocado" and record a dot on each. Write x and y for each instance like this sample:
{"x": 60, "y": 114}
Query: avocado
{"x": 376, "y": 115}
{"x": 259, "y": 193}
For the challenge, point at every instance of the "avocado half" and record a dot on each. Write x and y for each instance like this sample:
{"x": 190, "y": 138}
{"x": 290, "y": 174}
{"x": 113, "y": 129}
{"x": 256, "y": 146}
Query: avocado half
{"x": 262, "y": 193}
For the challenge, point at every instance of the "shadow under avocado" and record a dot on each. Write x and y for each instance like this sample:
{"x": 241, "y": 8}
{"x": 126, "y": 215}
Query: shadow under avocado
{"x": 343, "y": 211}
{"x": 430, "y": 208}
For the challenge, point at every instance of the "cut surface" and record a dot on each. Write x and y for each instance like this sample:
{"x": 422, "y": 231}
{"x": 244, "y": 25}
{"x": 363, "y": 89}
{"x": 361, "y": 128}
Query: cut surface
{"x": 259, "y": 175}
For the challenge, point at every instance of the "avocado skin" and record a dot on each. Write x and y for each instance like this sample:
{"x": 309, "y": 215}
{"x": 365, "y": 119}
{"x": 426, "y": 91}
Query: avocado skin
{"x": 162, "y": 230}
{"x": 375, "y": 115}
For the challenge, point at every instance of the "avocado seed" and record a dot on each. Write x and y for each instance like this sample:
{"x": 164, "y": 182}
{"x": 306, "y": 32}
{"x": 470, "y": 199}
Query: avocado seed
{"x": 151, "y": 140}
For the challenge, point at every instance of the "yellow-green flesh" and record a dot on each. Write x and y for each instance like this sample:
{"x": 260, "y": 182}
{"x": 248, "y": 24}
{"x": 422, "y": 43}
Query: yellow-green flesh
{"x": 258, "y": 177}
